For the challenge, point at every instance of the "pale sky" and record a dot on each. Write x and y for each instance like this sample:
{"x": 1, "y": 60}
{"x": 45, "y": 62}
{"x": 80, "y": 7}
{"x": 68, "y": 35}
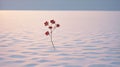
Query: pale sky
{"x": 106, "y": 5}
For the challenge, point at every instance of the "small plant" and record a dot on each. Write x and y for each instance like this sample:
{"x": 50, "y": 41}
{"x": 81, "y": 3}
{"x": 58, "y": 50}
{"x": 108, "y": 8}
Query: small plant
{"x": 51, "y": 26}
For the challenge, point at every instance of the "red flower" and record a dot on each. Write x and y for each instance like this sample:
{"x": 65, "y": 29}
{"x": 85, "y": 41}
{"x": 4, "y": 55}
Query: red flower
{"x": 52, "y": 21}
{"x": 46, "y": 23}
{"x": 47, "y": 33}
{"x": 50, "y": 27}
{"x": 57, "y": 25}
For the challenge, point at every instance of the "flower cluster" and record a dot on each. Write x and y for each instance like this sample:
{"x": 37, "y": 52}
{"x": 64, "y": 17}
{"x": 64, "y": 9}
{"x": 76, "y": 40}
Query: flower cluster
{"x": 51, "y": 25}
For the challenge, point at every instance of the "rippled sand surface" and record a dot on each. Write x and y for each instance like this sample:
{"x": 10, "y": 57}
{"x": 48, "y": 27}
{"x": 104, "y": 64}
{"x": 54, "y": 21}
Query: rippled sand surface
{"x": 72, "y": 50}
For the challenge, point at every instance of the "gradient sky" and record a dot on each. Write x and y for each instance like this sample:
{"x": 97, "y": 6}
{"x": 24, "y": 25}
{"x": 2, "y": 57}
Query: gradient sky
{"x": 113, "y": 5}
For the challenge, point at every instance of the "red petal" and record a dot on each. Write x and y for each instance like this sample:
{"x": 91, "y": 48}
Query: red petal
{"x": 50, "y": 27}
{"x": 46, "y": 23}
{"x": 57, "y": 25}
{"x": 52, "y": 21}
{"x": 47, "y": 33}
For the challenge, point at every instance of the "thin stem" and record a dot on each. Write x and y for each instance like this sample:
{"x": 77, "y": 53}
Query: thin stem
{"x": 52, "y": 40}
{"x": 54, "y": 28}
